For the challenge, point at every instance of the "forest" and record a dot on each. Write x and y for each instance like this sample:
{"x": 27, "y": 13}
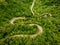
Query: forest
{"x": 29, "y": 22}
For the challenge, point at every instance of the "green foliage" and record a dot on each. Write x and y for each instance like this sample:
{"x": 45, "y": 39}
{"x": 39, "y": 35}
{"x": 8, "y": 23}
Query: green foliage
{"x": 21, "y": 8}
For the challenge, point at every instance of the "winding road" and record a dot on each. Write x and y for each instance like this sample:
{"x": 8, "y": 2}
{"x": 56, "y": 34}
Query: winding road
{"x": 32, "y": 36}
{"x": 38, "y": 26}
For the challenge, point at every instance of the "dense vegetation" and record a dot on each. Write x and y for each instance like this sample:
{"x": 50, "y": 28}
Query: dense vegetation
{"x": 47, "y": 14}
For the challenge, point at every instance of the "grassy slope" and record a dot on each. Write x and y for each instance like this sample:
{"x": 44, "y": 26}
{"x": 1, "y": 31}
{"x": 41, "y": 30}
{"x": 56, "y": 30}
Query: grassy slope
{"x": 17, "y": 8}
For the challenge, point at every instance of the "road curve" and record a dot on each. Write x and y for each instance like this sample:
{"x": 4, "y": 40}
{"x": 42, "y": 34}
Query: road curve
{"x": 32, "y": 36}
{"x": 21, "y": 35}
{"x": 16, "y": 18}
